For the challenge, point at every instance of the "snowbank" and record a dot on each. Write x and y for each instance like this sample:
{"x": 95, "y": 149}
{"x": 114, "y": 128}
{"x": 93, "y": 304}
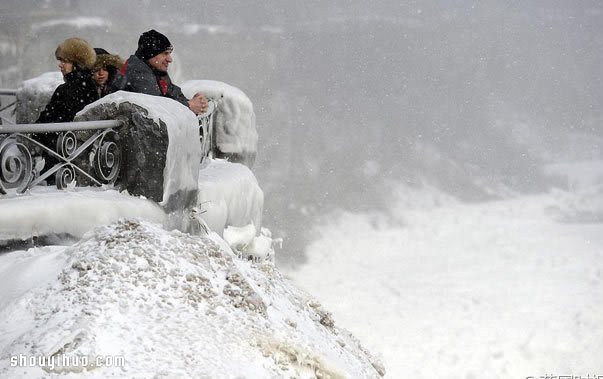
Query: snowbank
{"x": 171, "y": 305}
{"x": 46, "y": 211}
{"x": 228, "y": 195}
{"x": 236, "y": 134}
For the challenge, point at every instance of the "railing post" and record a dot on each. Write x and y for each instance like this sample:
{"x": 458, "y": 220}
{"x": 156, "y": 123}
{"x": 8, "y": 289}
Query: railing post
{"x": 206, "y": 131}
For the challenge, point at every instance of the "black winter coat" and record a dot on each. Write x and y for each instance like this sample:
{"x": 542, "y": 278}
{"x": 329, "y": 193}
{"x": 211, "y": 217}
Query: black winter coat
{"x": 137, "y": 76}
{"x": 70, "y": 97}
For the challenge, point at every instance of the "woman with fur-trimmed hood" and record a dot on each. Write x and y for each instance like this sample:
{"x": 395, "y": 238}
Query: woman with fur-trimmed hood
{"x": 105, "y": 69}
{"x": 76, "y": 59}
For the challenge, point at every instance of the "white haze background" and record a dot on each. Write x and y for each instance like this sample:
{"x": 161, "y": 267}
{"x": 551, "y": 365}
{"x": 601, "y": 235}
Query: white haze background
{"x": 434, "y": 168}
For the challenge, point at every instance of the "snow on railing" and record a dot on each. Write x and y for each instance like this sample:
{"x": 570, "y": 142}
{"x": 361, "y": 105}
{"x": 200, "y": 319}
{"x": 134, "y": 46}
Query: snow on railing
{"x": 93, "y": 157}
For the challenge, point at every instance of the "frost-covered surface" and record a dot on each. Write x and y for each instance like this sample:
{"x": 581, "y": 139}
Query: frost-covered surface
{"x": 184, "y": 152}
{"x": 246, "y": 242}
{"x": 45, "y": 211}
{"x": 229, "y": 194}
{"x": 172, "y": 305}
{"x": 235, "y": 119}
{"x": 501, "y": 289}
{"x": 235, "y": 123}
{"x": 236, "y": 131}
{"x": 34, "y": 94}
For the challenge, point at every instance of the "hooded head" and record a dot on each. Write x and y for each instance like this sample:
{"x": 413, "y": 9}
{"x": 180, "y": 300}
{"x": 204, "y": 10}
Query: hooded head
{"x": 108, "y": 63}
{"x": 152, "y": 43}
{"x": 76, "y": 51}
{"x": 106, "y": 60}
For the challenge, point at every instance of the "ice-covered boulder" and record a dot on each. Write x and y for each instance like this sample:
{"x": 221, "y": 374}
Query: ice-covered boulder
{"x": 34, "y": 94}
{"x": 229, "y": 194}
{"x": 164, "y": 305}
{"x": 236, "y": 133}
{"x": 160, "y": 146}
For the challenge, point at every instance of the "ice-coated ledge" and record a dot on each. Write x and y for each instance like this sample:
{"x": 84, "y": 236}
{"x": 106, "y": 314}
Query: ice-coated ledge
{"x": 236, "y": 134}
{"x": 46, "y": 211}
{"x": 34, "y": 94}
{"x": 229, "y": 194}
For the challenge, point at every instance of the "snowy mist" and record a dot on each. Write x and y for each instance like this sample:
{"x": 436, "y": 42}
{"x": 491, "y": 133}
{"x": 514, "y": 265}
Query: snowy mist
{"x": 472, "y": 97}
{"x": 371, "y": 115}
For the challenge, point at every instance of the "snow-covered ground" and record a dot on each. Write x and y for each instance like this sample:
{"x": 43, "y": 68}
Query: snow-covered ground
{"x": 134, "y": 300}
{"x": 502, "y": 289}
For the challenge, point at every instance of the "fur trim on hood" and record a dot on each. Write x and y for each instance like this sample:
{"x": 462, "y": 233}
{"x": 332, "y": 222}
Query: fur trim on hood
{"x": 108, "y": 60}
{"x": 76, "y": 51}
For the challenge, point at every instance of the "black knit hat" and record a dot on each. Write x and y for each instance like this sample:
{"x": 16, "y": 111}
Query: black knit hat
{"x": 152, "y": 43}
{"x": 100, "y": 51}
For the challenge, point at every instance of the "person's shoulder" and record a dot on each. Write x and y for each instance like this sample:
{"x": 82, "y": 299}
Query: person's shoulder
{"x": 61, "y": 89}
{"x": 77, "y": 78}
{"x": 135, "y": 63}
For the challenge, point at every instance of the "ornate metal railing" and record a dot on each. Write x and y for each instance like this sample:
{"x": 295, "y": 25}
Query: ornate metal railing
{"x": 11, "y": 93}
{"x": 206, "y": 131}
{"x": 93, "y": 156}
{"x": 85, "y": 152}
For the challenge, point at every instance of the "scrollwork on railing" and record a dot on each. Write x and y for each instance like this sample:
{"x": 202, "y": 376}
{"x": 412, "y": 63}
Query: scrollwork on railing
{"x": 67, "y": 143}
{"x": 92, "y": 157}
{"x": 107, "y": 157}
{"x": 16, "y": 171}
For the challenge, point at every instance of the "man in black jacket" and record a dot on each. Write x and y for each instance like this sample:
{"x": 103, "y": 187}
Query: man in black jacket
{"x": 146, "y": 72}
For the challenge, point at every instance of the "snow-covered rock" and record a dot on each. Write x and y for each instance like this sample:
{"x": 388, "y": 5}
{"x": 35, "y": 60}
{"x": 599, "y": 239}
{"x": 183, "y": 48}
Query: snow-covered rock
{"x": 244, "y": 241}
{"x": 170, "y": 305}
{"x": 160, "y": 145}
{"x": 236, "y": 134}
{"x": 34, "y": 94}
